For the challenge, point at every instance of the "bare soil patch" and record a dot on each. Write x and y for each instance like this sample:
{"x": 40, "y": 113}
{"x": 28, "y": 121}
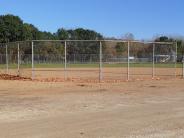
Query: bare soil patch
{"x": 137, "y": 109}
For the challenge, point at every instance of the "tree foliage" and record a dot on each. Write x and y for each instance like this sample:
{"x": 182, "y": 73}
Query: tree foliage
{"x": 80, "y": 34}
{"x": 120, "y": 48}
{"x": 12, "y": 29}
{"x": 180, "y": 46}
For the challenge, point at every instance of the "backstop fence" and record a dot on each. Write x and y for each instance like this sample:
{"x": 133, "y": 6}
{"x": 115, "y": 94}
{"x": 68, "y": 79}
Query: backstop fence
{"x": 98, "y": 60}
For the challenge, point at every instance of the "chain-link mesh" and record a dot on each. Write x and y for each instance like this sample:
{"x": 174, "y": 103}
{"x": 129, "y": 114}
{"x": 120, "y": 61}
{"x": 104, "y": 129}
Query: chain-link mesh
{"x": 49, "y": 58}
{"x": 3, "y": 59}
{"x": 165, "y": 60}
{"x": 83, "y": 60}
{"x": 180, "y": 64}
{"x": 11, "y": 50}
{"x": 115, "y": 57}
{"x": 91, "y": 60}
{"x": 141, "y": 59}
{"x": 25, "y": 59}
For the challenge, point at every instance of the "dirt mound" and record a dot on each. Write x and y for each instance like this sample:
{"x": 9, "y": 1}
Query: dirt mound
{"x": 78, "y": 80}
{"x": 50, "y": 80}
{"x": 12, "y": 77}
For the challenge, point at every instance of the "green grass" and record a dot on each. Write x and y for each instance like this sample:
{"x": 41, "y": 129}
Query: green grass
{"x": 146, "y": 65}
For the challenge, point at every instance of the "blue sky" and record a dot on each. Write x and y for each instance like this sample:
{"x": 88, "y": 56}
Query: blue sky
{"x": 143, "y": 18}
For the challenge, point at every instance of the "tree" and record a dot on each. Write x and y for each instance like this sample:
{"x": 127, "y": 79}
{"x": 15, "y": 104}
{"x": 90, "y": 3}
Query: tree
{"x": 30, "y": 32}
{"x": 47, "y": 36}
{"x": 13, "y": 29}
{"x": 62, "y": 34}
{"x": 80, "y": 34}
{"x": 164, "y": 39}
{"x": 27, "y": 32}
{"x": 180, "y": 44}
{"x": 120, "y": 48}
{"x": 10, "y": 28}
{"x": 128, "y": 36}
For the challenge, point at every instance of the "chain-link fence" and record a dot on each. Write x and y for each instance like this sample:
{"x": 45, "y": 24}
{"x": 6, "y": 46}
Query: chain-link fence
{"x": 105, "y": 60}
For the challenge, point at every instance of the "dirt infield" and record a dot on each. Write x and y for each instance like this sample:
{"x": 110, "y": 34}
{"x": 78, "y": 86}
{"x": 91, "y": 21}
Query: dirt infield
{"x": 92, "y": 74}
{"x": 139, "y": 109}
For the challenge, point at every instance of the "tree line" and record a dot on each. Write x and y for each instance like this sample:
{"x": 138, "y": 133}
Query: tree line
{"x": 12, "y": 28}
{"x": 141, "y": 50}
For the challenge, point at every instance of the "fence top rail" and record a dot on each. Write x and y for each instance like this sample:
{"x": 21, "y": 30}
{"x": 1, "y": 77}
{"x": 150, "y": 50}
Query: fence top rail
{"x": 120, "y": 41}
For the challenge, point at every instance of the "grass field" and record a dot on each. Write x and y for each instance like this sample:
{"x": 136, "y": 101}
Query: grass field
{"x": 43, "y": 65}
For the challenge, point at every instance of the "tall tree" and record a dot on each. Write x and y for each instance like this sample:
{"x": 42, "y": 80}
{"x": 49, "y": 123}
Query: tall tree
{"x": 80, "y": 34}
{"x": 120, "y": 48}
{"x": 62, "y": 34}
{"x": 47, "y": 36}
{"x": 10, "y": 28}
{"x": 30, "y": 32}
{"x": 164, "y": 39}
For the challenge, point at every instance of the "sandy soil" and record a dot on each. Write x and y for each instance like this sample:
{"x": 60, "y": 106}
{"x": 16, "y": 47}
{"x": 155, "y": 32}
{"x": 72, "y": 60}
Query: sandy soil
{"x": 140, "y": 109}
{"x": 93, "y": 73}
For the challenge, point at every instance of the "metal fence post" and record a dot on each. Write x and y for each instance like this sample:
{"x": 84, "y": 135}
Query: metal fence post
{"x": 183, "y": 68}
{"x": 7, "y": 60}
{"x": 100, "y": 65}
{"x": 128, "y": 62}
{"x": 32, "y": 44}
{"x": 65, "y": 75}
{"x": 176, "y": 58}
{"x": 153, "y": 62}
{"x": 18, "y": 58}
